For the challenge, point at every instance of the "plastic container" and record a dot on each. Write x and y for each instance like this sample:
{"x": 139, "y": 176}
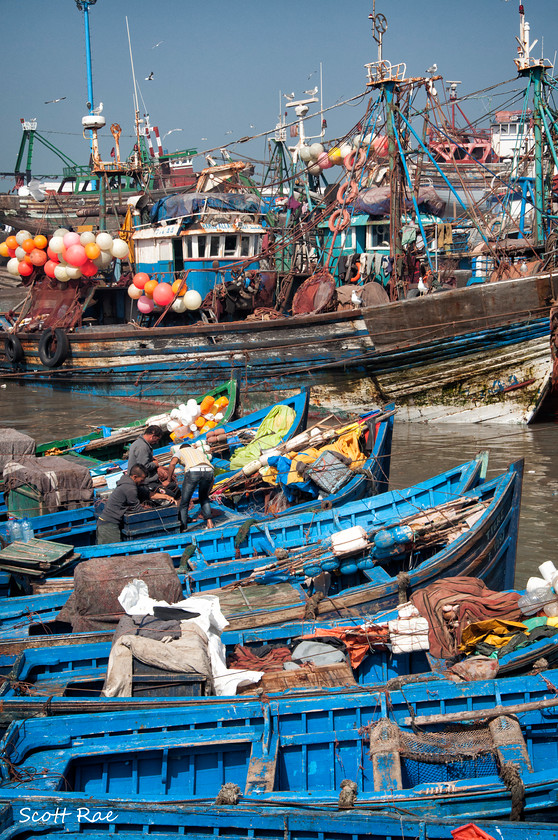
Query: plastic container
{"x": 535, "y": 600}
{"x": 15, "y": 532}
{"x": 27, "y": 532}
{"x": 349, "y": 541}
{"x": 206, "y": 404}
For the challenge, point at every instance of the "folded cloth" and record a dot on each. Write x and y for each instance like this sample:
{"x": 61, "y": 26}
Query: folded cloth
{"x": 471, "y": 601}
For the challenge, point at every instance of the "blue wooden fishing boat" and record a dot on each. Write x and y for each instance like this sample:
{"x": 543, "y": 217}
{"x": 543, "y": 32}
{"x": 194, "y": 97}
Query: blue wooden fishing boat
{"x": 55, "y": 818}
{"x": 18, "y": 614}
{"x": 78, "y": 526}
{"x": 439, "y": 750}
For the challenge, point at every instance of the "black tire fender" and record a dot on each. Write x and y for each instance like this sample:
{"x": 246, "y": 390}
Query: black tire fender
{"x": 13, "y": 349}
{"x": 53, "y": 347}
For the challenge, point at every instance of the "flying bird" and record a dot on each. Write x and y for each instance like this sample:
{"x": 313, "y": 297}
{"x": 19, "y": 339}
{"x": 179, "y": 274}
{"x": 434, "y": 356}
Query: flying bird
{"x": 312, "y": 92}
{"x": 432, "y": 69}
{"x": 311, "y": 74}
{"x": 228, "y": 132}
{"x": 171, "y": 131}
{"x": 203, "y": 138}
{"x": 150, "y": 77}
{"x": 50, "y": 101}
{"x": 289, "y": 95}
{"x": 158, "y": 44}
{"x": 98, "y": 110}
{"x": 252, "y": 126}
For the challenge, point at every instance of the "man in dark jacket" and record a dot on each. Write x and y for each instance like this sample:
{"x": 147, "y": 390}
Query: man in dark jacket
{"x": 129, "y": 496}
{"x": 141, "y": 454}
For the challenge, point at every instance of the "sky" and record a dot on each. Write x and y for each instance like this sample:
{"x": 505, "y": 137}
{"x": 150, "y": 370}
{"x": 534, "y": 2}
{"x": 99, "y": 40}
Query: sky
{"x": 219, "y": 67}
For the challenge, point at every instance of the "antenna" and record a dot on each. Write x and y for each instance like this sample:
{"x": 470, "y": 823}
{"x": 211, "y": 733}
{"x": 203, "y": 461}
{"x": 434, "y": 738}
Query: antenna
{"x": 132, "y": 64}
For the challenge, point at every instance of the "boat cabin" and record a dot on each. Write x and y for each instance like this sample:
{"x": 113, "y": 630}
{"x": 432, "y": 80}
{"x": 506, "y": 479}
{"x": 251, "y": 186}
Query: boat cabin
{"x": 207, "y": 251}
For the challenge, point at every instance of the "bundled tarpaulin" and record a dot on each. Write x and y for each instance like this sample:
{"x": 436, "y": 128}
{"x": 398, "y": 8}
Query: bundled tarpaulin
{"x": 61, "y": 484}
{"x": 94, "y": 604}
{"x": 469, "y": 600}
{"x": 188, "y": 205}
{"x": 13, "y": 444}
{"x": 270, "y": 433}
{"x": 376, "y": 201}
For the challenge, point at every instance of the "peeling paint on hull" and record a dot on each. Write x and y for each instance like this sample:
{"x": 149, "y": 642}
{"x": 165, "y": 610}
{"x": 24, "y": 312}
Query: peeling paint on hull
{"x": 477, "y": 354}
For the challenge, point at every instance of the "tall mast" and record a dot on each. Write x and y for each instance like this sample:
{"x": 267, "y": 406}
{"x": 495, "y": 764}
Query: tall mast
{"x": 535, "y": 69}
{"x": 83, "y": 6}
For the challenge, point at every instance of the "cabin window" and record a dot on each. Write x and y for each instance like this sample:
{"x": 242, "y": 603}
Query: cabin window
{"x": 504, "y": 129}
{"x": 188, "y": 250}
{"x": 214, "y": 246}
{"x": 230, "y": 245}
{"x": 513, "y": 129}
{"x": 376, "y": 234}
{"x": 244, "y": 246}
{"x": 201, "y": 240}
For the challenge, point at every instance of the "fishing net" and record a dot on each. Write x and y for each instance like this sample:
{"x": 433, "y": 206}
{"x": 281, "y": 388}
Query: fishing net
{"x": 459, "y": 752}
{"x": 317, "y": 294}
{"x": 55, "y": 307}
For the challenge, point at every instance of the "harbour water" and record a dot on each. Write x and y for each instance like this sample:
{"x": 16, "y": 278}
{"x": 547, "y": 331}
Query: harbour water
{"x": 419, "y": 450}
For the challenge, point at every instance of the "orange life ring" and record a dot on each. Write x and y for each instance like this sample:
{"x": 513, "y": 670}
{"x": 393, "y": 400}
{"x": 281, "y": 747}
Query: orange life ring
{"x": 344, "y": 219}
{"x": 347, "y": 192}
{"x": 358, "y": 267}
{"x": 350, "y": 162}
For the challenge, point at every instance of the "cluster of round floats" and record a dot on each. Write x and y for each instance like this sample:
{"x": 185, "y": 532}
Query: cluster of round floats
{"x": 351, "y": 155}
{"x": 65, "y": 256}
{"x": 149, "y": 292}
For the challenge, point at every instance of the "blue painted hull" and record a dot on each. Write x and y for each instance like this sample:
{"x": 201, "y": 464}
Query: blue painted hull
{"x": 487, "y": 550}
{"x": 92, "y": 818}
{"x": 297, "y": 750}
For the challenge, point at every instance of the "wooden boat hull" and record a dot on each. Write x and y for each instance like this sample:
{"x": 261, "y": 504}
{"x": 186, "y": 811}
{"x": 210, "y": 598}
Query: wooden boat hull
{"x": 454, "y": 352}
{"x": 297, "y": 750}
{"x": 59, "y": 818}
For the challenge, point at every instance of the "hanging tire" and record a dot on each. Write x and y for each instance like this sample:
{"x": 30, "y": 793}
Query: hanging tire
{"x": 53, "y": 347}
{"x": 13, "y": 349}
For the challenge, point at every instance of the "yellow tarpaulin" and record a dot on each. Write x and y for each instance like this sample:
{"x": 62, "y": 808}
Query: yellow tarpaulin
{"x": 493, "y": 631}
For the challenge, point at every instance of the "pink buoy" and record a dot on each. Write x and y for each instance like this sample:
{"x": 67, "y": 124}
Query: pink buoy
{"x": 71, "y": 239}
{"x": 163, "y": 294}
{"x": 76, "y": 255}
{"x": 323, "y": 161}
{"x": 145, "y": 305}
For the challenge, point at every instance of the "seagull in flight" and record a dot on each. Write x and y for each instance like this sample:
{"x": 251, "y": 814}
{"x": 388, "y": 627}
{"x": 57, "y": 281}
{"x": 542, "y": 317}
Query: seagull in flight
{"x": 171, "y": 131}
{"x": 312, "y": 92}
{"x": 204, "y": 138}
{"x": 228, "y": 132}
{"x": 50, "y": 101}
{"x": 98, "y": 110}
{"x": 158, "y": 44}
{"x": 150, "y": 77}
{"x": 432, "y": 69}
{"x": 311, "y": 74}
{"x": 289, "y": 95}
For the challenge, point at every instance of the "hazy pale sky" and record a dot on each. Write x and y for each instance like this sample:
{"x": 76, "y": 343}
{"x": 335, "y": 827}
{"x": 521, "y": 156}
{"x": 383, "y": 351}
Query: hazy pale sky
{"x": 219, "y": 67}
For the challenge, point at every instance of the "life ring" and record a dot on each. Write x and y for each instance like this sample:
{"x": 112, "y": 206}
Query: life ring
{"x": 356, "y": 277}
{"x": 13, "y": 349}
{"x": 53, "y": 347}
{"x": 351, "y": 163}
{"x": 344, "y": 219}
{"x": 347, "y": 192}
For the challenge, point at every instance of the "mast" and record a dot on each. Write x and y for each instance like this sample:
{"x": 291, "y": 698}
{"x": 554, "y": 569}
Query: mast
{"x": 535, "y": 70}
{"x": 83, "y": 6}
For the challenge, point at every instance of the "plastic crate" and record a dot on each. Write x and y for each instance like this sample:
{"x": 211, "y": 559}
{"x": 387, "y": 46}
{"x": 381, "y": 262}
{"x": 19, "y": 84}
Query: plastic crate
{"x": 329, "y": 472}
{"x": 151, "y": 521}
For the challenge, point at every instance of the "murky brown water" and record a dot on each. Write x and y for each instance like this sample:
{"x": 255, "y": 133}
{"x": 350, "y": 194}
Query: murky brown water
{"x": 419, "y": 451}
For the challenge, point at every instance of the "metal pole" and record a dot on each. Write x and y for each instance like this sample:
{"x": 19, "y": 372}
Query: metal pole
{"x": 88, "y": 55}
{"x": 536, "y": 74}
